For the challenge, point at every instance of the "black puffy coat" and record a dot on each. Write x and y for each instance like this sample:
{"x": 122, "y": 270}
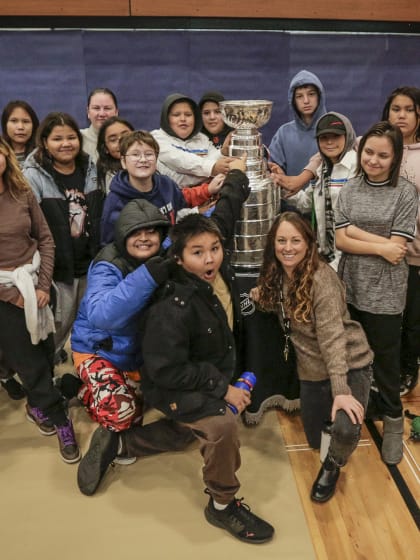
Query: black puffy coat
{"x": 189, "y": 351}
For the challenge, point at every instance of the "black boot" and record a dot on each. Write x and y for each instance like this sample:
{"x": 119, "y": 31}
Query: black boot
{"x": 324, "y": 486}
{"x": 13, "y": 388}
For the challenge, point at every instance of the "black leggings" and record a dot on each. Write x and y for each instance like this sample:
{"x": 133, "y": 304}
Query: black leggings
{"x": 384, "y": 336}
{"x": 33, "y": 362}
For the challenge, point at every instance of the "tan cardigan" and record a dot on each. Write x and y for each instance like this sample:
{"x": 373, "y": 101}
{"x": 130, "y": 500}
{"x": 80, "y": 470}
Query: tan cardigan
{"x": 331, "y": 344}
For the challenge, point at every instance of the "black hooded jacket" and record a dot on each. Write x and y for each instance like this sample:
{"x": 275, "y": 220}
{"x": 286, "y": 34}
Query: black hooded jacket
{"x": 190, "y": 353}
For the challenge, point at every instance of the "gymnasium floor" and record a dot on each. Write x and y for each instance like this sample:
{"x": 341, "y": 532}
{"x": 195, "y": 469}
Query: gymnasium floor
{"x": 154, "y": 508}
{"x": 374, "y": 514}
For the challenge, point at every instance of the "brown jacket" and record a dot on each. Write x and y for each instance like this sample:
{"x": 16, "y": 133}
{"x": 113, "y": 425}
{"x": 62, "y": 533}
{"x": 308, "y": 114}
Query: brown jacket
{"x": 23, "y": 230}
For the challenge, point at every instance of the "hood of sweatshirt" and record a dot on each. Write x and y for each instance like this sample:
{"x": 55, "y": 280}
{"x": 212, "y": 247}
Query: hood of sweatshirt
{"x": 216, "y": 97}
{"x": 137, "y": 214}
{"x": 121, "y": 186}
{"x": 305, "y": 78}
{"x": 167, "y": 104}
{"x": 350, "y": 143}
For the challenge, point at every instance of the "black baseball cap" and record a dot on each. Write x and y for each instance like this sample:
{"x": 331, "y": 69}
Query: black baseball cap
{"x": 330, "y": 124}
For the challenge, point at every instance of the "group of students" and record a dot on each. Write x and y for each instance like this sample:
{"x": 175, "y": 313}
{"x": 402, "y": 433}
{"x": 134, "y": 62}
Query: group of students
{"x": 163, "y": 324}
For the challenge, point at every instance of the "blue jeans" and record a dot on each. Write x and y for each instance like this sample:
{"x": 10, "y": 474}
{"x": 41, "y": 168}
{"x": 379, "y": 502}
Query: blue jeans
{"x": 316, "y": 403}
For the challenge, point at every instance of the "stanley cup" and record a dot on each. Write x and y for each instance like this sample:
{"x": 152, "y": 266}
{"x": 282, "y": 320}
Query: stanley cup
{"x": 261, "y": 207}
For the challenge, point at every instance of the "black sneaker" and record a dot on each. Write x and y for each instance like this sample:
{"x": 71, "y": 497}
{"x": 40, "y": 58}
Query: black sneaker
{"x": 14, "y": 388}
{"x": 240, "y": 522}
{"x": 101, "y": 453}
{"x": 409, "y": 381}
{"x": 68, "y": 385}
{"x": 36, "y": 416}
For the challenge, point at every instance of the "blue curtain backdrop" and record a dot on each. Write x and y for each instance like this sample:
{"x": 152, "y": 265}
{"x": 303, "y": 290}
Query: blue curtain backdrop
{"x": 55, "y": 70}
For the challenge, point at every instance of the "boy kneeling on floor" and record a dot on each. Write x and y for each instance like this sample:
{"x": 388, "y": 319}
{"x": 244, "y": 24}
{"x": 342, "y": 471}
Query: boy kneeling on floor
{"x": 188, "y": 341}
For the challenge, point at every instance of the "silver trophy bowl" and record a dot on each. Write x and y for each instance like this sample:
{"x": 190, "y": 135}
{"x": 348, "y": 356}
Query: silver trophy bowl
{"x": 253, "y": 113}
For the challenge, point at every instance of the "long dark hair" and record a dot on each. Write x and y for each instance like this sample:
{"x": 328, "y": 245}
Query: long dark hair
{"x": 412, "y": 93}
{"x": 8, "y": 110}
{"x": 380, "y": 129}
{"x": 299, "y": 297}
{"x": 105, "y": 161}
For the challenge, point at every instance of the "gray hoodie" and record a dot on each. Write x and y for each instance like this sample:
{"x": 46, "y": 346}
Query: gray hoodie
{"x": 313, "y": 198}
{"x": 294, "y": 142}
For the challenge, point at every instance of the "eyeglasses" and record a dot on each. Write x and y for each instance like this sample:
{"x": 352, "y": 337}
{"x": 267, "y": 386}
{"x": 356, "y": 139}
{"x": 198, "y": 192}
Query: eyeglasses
{"x": 137, "y": 156}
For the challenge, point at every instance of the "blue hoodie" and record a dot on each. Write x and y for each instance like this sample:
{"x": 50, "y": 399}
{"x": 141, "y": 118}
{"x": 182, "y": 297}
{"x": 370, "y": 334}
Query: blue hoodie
{"x": 294, "y": 142}
{"x": 118, "y": 289}
{"x": 165, "y": 195}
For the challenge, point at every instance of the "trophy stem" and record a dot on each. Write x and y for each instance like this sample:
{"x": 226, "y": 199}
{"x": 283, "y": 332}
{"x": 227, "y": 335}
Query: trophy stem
{"x": 260, "y": 209}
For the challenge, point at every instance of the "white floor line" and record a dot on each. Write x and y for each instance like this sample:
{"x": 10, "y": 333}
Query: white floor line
{"x": 303, "y": 447}
{"x": 410, "y": 466}
{"x": 408, "y": 450}
{"x": 411, "y": 462}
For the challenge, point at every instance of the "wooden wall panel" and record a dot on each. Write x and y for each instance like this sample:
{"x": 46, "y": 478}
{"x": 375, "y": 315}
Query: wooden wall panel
{"x": 357, "y": 10}
{"x": 374, "y": 10}
{"x": 64, "y": 8}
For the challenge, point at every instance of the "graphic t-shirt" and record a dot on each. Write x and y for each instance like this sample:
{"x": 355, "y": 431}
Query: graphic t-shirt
{"x": 72, "y": 186}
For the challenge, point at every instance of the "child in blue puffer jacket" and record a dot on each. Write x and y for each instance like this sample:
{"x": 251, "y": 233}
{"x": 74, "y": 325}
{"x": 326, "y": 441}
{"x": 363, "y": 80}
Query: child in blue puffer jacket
{"x": 105, "y": 340}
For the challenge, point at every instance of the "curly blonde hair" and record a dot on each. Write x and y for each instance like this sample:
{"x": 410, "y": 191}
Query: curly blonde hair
{"x": 13, "y": 178}
{"x": 299, "y": 297}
